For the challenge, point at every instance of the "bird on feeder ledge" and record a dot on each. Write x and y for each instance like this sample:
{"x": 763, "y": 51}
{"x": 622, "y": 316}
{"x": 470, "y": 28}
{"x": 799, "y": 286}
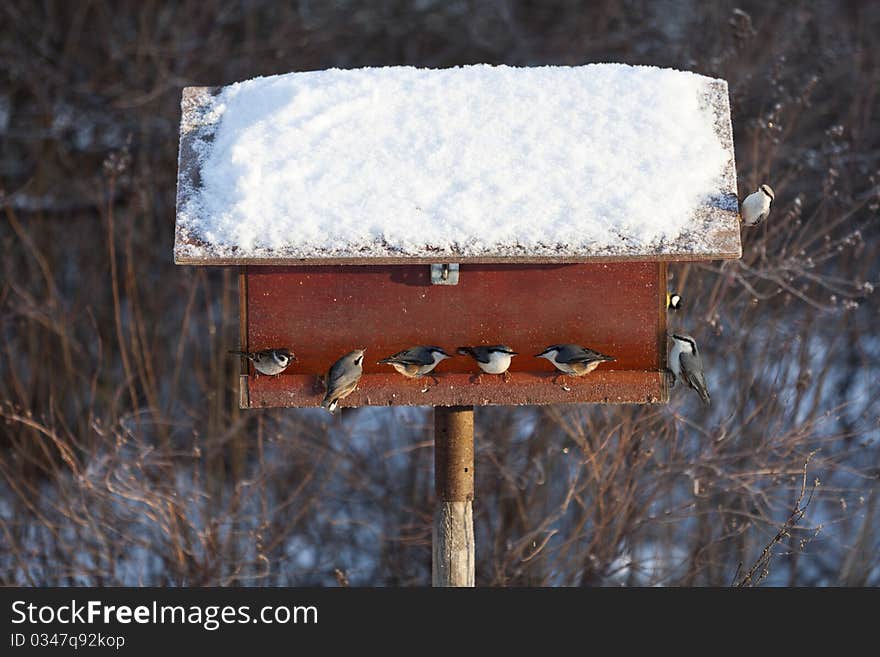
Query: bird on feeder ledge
{"x": 416, "y": 362}
{"x": 494, "y": 359}
{"x": 756, "y": 206}
{"x": 573, "y": 360}
{"x": 342, "y": 379}
{"x": 270, "y": 362}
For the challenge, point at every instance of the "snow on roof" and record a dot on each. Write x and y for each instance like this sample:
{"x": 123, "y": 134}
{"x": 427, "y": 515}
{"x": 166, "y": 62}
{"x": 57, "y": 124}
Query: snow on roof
{"x": 475, "y": 163}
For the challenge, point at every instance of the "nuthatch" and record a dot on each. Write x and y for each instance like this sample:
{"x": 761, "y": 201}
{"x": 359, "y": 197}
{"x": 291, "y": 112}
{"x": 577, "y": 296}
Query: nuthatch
{"x": 416, "y": 362}
{"x": 756, "y": 206}
{"x": 685, "y": 363}
{"x": 673, "y": 301}
{"x": 573, "y": 359}
{"x": 343, "y": 378}
{"x": 494, "y": 359}
{"x": 271, "y": 362}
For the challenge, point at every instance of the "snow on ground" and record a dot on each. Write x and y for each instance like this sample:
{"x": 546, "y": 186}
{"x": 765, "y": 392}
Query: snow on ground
{"x": 474, "y": 160}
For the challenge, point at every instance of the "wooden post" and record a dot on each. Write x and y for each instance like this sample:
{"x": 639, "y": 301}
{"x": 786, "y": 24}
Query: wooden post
{"x": 453, "y": 535}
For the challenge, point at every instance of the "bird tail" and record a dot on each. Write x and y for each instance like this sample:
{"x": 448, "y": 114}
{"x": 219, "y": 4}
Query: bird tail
{"x": 465, "y": 351}
{"x": 704, "y": 395}
{"x": 329, "y": 404}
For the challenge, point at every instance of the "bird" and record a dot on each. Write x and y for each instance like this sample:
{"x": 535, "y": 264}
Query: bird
{"x": 492, "y": 359}
{"x": 343, "y": 378}
{"x": 271, "y": 362}
{"x": 416, "y": 362}
{"x": 673, "y": 301}
{"x": 756, "y": 206}
{"x": 686, "y": 364}
{"x": 573, "y": 359}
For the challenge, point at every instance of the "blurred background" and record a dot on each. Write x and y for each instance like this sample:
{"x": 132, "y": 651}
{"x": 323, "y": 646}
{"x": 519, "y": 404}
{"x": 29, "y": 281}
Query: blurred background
{"x": 125, "y": 460}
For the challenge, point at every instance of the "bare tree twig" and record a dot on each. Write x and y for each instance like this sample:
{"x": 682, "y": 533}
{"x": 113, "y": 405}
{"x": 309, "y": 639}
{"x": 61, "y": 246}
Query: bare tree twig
{"x": 763, "y": 561}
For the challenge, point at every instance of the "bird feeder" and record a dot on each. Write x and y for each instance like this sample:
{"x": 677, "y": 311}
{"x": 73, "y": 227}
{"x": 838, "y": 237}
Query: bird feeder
{"x": 383, "y": 208}
{"x": 390, "y": 207}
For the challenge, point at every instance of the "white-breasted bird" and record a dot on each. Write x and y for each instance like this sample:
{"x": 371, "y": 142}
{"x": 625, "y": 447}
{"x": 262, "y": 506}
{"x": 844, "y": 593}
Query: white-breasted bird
{"x": 271, "y": 362}
{"x": 686, "y": 364}
{"x": 343, "y": 378}
{"x": 673, "y": 301}
{"x": 573, "y": 359}
{"x": 416, "y": 362}
{"x": 492, "y": 359}
{"x": 756, "y": 206}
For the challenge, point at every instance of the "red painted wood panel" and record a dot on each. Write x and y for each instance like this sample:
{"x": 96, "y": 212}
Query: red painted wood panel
{"x": 322, "y": 312}
{"x": 455, "y": 389}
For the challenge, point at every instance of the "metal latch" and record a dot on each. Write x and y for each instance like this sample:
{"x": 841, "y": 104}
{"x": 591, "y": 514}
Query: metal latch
{"x": 445, "y": 274}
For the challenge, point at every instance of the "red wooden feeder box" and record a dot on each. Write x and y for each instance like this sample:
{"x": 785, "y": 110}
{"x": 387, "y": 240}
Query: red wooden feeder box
{"x": 323, "y": 307}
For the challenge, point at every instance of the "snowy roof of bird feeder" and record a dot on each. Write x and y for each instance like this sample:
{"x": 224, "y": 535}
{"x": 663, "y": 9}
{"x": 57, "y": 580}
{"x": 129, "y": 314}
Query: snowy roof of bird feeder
{"x": 469, "y": 164}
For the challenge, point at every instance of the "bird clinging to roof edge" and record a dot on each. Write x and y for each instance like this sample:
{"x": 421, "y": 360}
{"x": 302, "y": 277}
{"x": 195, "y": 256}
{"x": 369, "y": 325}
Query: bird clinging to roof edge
{"x": 342, "y": 379}
{"x": 686, "y": 364}
{"x": 756, "y": 206}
